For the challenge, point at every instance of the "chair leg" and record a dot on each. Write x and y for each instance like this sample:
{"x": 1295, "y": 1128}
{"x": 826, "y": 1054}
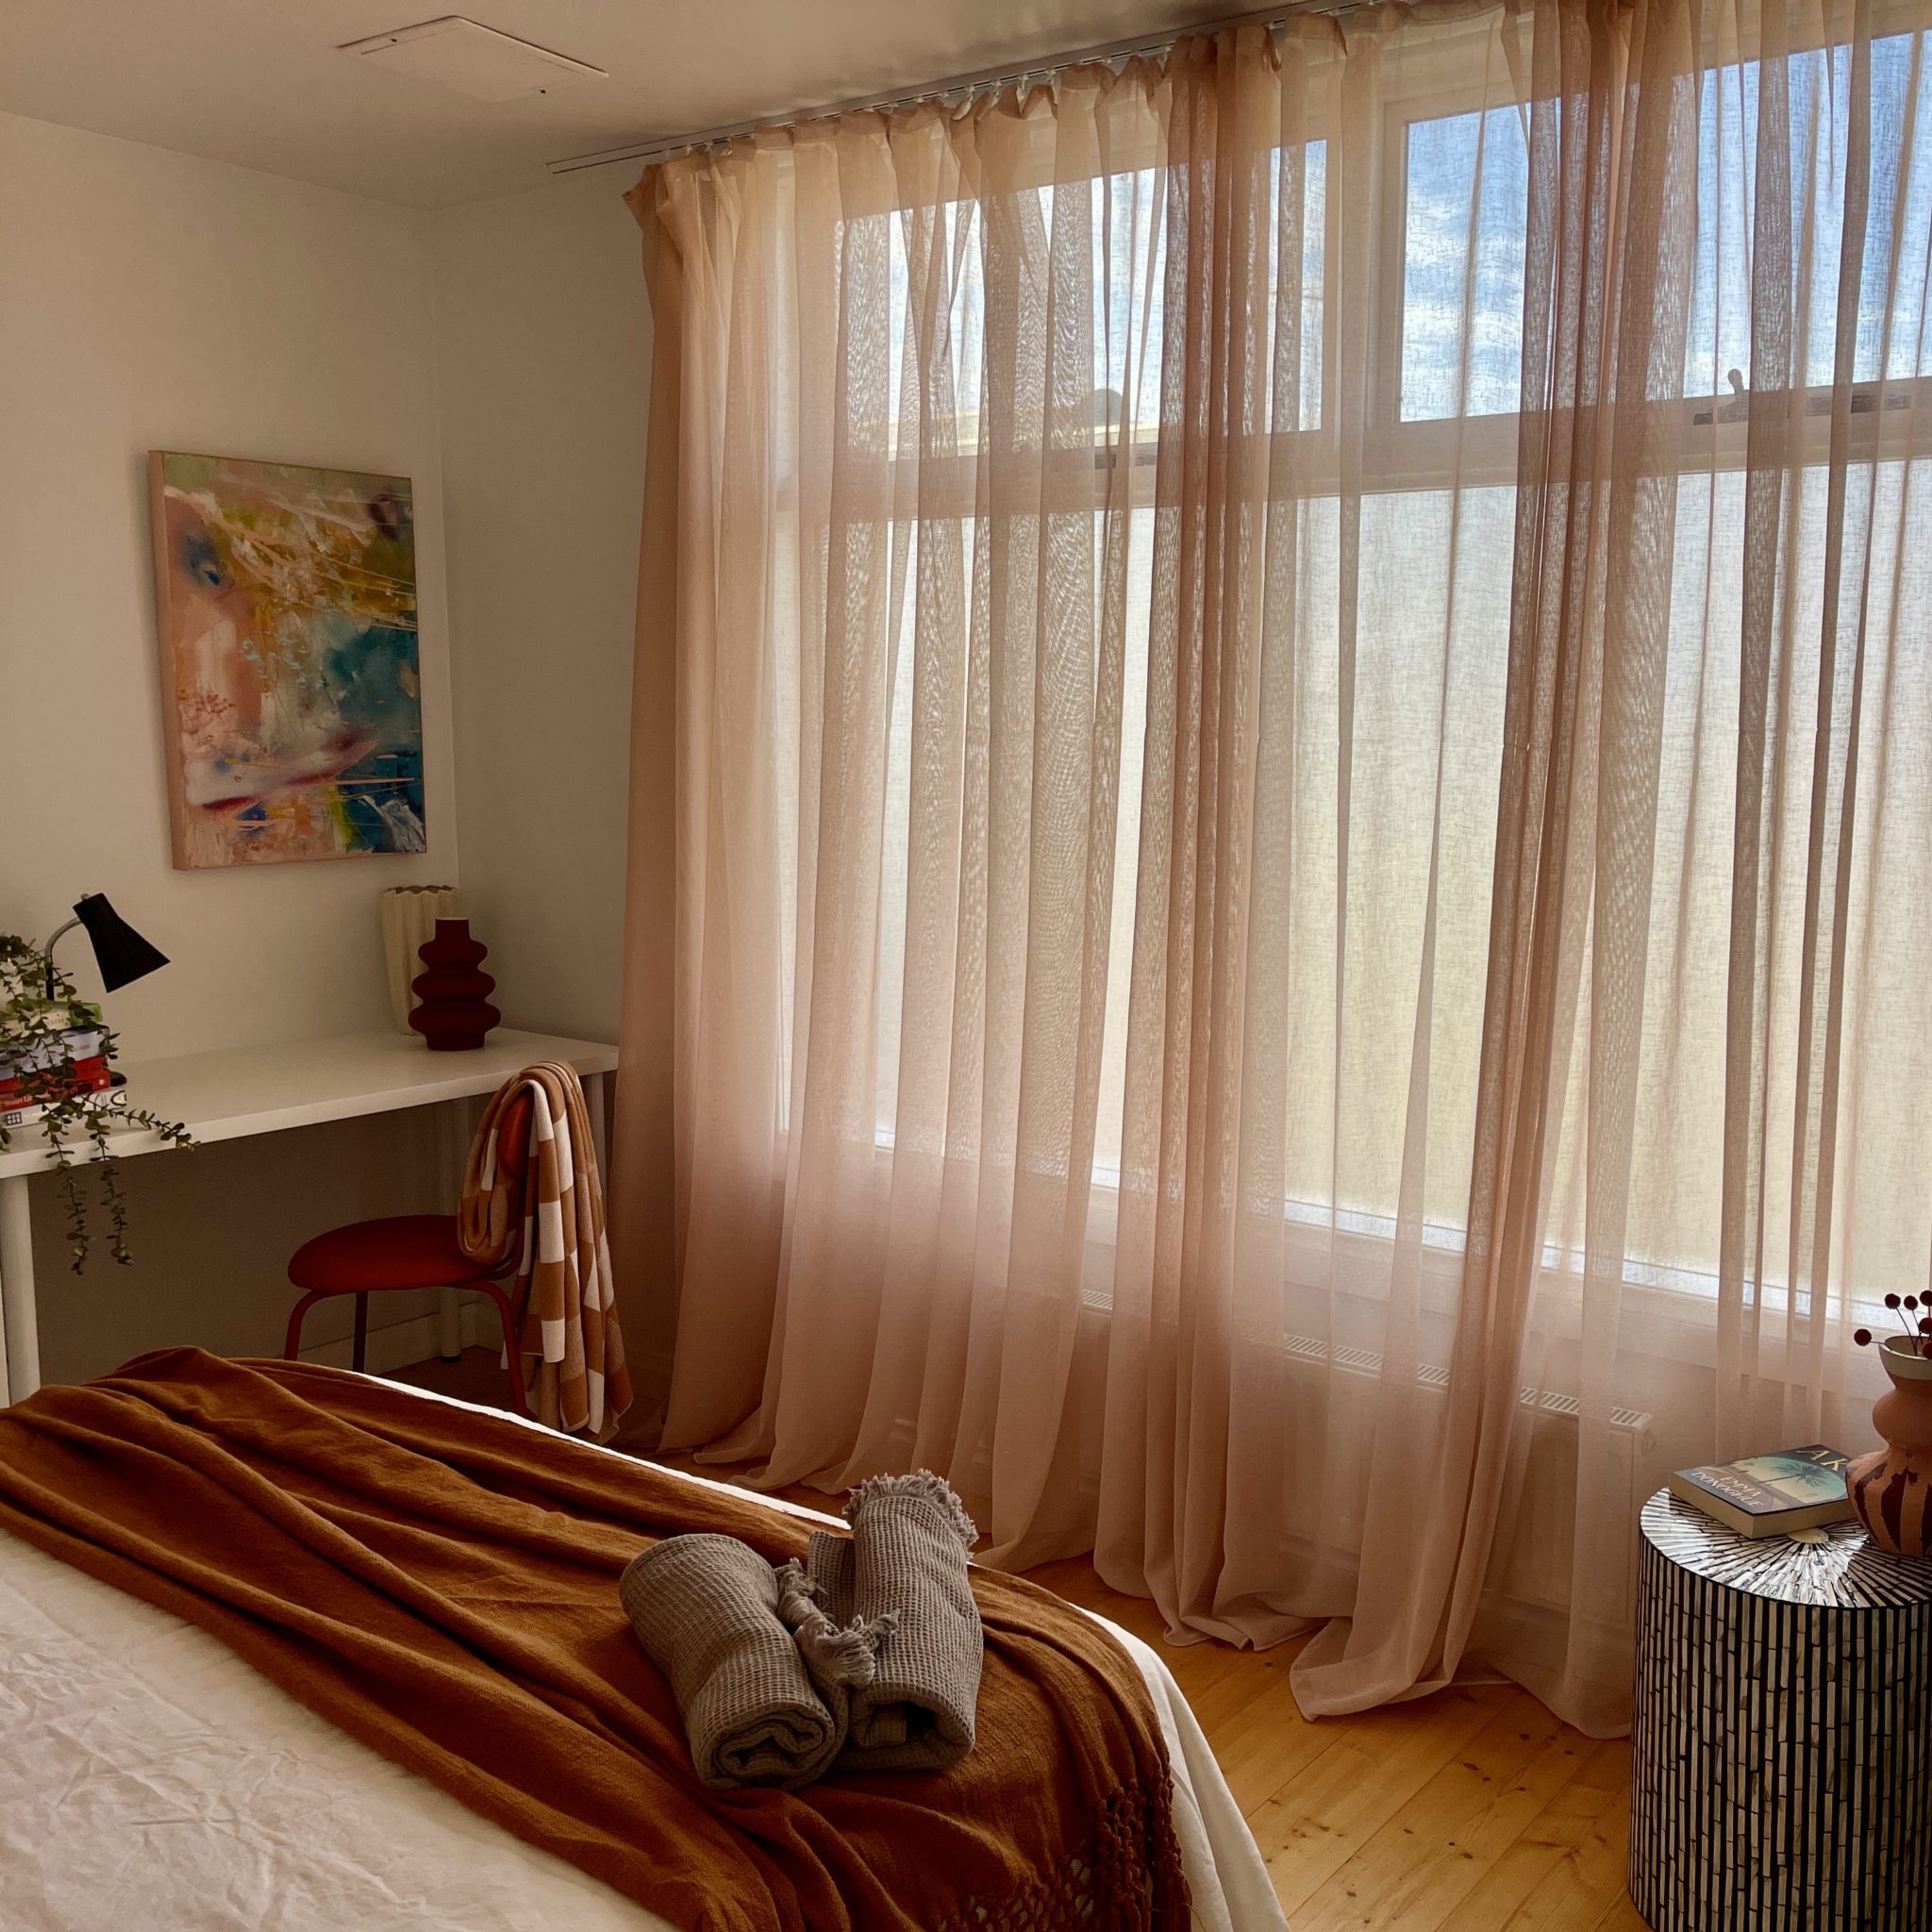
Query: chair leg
{"x": 292, "y": 1348}
{"x": 513, "y": 1349}
{"x": 359, "y": 1359}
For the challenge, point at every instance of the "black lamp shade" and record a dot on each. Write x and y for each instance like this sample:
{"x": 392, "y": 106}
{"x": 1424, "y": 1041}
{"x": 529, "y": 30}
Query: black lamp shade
{"x": 121, "y": 951}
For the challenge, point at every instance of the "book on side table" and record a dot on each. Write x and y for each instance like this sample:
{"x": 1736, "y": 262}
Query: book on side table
{"x": 1770, "y": 1496}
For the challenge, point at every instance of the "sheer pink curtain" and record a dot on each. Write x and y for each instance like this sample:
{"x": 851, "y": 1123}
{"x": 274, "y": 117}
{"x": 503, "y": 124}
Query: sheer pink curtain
{"x": 1297, "y": 815}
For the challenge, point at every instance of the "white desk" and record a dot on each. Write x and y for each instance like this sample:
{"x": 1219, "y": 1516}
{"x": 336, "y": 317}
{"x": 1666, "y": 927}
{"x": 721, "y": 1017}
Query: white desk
{"x": 262, "y": 1089}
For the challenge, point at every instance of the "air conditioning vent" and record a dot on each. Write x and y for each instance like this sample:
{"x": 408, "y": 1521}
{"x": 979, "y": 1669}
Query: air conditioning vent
{"x": 472, "y": 59}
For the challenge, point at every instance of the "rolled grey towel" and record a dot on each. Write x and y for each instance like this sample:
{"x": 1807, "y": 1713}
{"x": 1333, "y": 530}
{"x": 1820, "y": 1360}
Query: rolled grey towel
{"x": 899, "y": 1584}
{"x": 705, "y": 1609}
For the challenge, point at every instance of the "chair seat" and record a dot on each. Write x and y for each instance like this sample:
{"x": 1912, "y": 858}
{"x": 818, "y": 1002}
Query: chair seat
{"x": 401, "y": 1250}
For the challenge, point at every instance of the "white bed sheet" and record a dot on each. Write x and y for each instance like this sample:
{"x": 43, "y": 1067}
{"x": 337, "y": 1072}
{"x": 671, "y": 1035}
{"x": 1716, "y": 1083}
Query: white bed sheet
{"x": 151, "y": 1781}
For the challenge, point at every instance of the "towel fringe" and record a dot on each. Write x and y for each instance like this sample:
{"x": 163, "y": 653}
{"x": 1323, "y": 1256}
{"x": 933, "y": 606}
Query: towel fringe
{"x": 847, "y": 1654}
{"x": 850, "y": 1656}
{"x": 798, "y": 1595}
{"x": 920, "y": 1485}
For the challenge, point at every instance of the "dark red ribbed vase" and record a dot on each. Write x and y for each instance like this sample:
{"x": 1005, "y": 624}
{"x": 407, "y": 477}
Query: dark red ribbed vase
{"x": 455, "y": 1012}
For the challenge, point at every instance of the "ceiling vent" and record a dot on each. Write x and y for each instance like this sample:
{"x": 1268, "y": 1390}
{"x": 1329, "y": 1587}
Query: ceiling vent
{"x": 473, "y": 60}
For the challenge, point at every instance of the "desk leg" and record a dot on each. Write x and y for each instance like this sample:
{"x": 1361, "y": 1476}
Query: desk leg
{"x": 7, "y": 1393}
{"x": 449, "y": 1323}
{"x": 452, "y": 1146}
{"x": 20, "y": 1361}
{"x": 600, "y": 1127}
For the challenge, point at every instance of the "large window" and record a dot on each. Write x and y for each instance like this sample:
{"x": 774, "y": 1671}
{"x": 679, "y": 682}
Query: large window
{"x": 1393, "y": 490}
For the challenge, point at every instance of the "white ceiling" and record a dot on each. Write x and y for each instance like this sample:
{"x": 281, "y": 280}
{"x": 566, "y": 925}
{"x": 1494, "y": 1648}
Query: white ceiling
{"x": 258, "y": 82}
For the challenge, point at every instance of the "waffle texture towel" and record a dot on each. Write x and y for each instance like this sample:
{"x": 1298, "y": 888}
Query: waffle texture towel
{"x": 901, "y": 1580}
{"x": 705, "y": 1609}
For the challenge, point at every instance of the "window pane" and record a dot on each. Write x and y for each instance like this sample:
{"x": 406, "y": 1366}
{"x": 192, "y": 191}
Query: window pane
{"x": 1814, "y": 100}
{"x": 1720, "y": 338}
{"x": 1467, "y": 209}
{"x": 1309, "y": 167}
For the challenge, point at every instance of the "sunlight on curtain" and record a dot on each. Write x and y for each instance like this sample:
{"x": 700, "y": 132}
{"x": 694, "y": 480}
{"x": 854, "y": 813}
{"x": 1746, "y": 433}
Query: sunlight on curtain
{"x": 1284, "y": 654}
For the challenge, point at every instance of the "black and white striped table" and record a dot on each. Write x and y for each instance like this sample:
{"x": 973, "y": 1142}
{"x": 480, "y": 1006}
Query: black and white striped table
{"x": 1781, "y": 1764}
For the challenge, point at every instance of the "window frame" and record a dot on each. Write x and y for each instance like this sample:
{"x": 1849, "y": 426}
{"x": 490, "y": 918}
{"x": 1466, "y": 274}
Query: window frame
{"x": 1709, "y": 435}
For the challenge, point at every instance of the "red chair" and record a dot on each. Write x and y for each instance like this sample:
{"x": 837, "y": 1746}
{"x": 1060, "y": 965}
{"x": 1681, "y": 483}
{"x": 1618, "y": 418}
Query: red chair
{"x": 413, "y": 1251}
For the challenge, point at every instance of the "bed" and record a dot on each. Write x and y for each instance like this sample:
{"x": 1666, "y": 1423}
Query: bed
{"x": 151, "y": 1778}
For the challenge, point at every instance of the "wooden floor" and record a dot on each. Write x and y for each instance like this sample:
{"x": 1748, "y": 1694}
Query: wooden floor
{"x": 1473, "y": 1811}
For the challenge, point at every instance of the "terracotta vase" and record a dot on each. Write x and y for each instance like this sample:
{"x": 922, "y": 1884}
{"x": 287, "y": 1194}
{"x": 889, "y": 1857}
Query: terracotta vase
{"x": 456, "y": 1012}
{"x": 1891, "y": 1488}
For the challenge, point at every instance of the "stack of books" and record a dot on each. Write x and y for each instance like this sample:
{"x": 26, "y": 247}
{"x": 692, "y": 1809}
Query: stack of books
{"x": 76, "y": 1064}
{"x": 1770, "y": 1496}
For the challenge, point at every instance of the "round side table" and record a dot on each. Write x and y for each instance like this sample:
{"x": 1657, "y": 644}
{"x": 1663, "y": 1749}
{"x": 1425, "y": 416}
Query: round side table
{"x": 1781, "y": 1749}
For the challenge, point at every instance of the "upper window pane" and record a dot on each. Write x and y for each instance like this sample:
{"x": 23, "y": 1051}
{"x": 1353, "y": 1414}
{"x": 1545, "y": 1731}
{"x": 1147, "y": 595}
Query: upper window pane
{"x": 1314, "y": 278}
{"x": 932, "y": 263}
{"x": 1467, "y": 208}
{"x": 1811, "y": 93}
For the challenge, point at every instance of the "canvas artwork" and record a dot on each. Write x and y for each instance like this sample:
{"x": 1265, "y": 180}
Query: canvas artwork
{"x": 288, "y": 625}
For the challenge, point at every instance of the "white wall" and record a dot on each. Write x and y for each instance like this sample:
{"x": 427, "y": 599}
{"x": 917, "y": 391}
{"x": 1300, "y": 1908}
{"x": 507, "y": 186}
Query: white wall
{"x": 543, "y": 347}
{"x": 151, "y": 300}
{"x": 499, "y": 355}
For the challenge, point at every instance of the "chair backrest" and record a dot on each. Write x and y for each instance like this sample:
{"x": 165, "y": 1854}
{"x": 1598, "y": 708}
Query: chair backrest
{"x": 513, "y": 1137}
{"x": 513, "y": 1160}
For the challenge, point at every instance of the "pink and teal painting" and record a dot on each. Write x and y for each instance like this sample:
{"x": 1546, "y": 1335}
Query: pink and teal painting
{"x": 290, "y": 674}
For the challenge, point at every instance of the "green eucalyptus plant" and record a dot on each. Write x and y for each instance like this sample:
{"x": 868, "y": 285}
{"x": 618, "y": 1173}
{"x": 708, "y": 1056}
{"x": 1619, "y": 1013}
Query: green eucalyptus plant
{"x": 39, "y": 1006}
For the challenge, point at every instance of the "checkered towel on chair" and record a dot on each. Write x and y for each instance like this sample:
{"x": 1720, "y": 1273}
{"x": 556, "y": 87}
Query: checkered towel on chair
{"x": 572, "y": 1348}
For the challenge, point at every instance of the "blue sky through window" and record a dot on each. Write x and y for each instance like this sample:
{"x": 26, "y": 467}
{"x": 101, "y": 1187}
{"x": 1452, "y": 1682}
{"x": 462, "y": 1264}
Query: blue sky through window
{"x": 1462, "y": 265}
{"x": 1467, "y": 211}
{"x": 1817, "y": 108}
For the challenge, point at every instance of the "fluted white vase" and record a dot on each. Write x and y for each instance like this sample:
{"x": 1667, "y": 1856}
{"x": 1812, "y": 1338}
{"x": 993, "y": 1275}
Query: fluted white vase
{"x": 408, "y": 917}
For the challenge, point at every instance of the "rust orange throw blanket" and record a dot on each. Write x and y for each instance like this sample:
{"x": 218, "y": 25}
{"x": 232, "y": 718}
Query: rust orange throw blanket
{"x": 444, "y": 1586}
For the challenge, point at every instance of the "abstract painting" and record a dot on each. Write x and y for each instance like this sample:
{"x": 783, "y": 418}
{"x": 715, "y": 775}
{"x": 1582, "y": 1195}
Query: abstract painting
{"x": 291, "y": 702}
